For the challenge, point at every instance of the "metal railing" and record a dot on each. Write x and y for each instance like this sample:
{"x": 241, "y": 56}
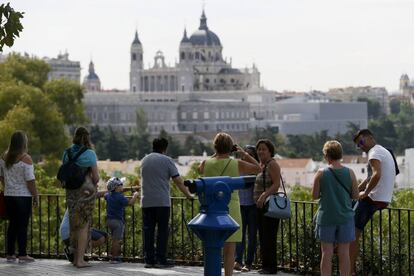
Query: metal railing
{"x": 386, "y": 243}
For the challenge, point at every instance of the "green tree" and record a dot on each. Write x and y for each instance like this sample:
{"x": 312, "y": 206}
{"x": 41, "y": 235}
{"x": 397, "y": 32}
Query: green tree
{"x": 68, "y": 97}
{"x": 374, "y": 108}
{"x": 47, "y": 123}
{"x": 10, "y": 25}
{"x": 28, "y": 70}
{"x": 116, "y": 146}
{"x": 395, "y": 106}
{"x": 174, "y": 147}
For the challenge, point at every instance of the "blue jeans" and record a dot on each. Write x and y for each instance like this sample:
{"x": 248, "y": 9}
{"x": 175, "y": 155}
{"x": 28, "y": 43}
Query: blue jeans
{"x": 155, "y": 217}
{"x": 249, "y": 223}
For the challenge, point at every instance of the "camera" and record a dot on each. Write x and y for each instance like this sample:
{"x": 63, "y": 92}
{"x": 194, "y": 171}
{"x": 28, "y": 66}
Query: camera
{"x": 234, "y": 148}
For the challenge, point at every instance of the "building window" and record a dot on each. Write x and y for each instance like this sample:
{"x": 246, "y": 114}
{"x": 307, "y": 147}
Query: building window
{"x": 134, "y": 89}
{"x": 197, "y": 55}
{"x": 363, "y": 170}
{"x": 183, "y": 115}
{"x": 206, "y": 115}
{"x": 182, "y": 55}
{"x": 195, "y": 115}
{"x": 205, "y": 127}
{"x": 134, "y": 56}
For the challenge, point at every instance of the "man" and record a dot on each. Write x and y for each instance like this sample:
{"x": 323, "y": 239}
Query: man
{"x": 156, "y": 171}
{"x": 98, "y": 237}
{"x": 375, "y": 192}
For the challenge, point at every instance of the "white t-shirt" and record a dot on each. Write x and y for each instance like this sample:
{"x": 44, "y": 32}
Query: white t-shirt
{"x": 383, "y": 190}
{"x": 15, "y": 178}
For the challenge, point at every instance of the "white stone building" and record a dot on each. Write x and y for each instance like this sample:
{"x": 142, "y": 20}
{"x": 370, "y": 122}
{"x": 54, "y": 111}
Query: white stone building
{"x": 62, "y": 67}
{"x": 91, "y": 82}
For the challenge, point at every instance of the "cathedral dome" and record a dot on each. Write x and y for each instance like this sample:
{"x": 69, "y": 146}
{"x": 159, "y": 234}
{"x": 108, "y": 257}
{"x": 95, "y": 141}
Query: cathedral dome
{"x": 203, "y": 36}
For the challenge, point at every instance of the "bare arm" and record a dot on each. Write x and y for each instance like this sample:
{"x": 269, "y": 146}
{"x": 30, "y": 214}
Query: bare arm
{"x": 95, "y": 174}
{"x": 355, "y": 190}
{"x": 180, "y": 184}
{"x": 316, "y": 188}
{"x": 133, "y": 198}
{"x": 363, "y": 184}
{"x": 375, "y": 177}
{"x": 101, "y": 193}
{"x": 31, "y": 184}
{"x": 274, "y": 173}
{"x": 248, "y": 165}
{"x": 201, "y": 167}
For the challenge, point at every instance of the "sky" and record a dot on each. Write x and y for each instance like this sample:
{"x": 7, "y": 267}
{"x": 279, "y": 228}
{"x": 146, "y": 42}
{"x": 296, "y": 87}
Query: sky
{"x": 297, "y": 45}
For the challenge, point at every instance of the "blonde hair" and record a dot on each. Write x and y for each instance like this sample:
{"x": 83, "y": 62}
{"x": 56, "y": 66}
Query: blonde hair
{"x": 332, "y": 150}
{"x": 223, "y": 143}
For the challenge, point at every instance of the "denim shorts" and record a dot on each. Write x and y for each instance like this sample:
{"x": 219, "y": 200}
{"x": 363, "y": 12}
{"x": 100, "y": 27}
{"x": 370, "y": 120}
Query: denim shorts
{"x": 343, "y": 233}
{"x": 116, "y": 227}
{"x": 364, "y": 213}
{"x": 97, "y": 234}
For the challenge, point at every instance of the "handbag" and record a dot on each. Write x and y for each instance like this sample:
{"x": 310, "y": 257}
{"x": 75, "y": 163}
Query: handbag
{"x": 277, "y": 205}
{"x": 3, "y": 213}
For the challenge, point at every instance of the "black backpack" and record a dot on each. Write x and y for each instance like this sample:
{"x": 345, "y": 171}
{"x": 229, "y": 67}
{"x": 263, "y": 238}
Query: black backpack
{"x": 70, "y": 174}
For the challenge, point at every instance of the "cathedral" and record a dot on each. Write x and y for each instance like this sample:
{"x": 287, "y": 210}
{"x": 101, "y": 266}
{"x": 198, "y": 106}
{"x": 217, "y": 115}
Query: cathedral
{"x": 407, "y": 88}
{"x": 201, "y": 66}
{"x": 203, "y": 94}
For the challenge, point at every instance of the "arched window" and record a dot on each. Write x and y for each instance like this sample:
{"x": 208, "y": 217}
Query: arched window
{"x": 182, "y": 55}
{"x": 134, "y": 56}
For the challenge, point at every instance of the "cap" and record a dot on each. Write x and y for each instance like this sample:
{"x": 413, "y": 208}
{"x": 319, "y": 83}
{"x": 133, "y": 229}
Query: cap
{"x": 114, "y": 182}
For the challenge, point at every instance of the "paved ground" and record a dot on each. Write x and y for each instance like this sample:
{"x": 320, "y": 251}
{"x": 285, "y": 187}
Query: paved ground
{"x": 62, "y": 268}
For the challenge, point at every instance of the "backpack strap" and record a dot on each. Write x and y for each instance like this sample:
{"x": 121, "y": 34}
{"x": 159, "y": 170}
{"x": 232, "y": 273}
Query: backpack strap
{"x": 79, "y": 153}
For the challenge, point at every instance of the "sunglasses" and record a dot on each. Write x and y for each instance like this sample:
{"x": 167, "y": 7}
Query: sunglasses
{"x": 361, "y": 143}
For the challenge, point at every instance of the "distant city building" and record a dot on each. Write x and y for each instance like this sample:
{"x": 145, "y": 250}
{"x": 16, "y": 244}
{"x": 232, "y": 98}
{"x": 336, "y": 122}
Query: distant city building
{"x": 297, "y": 171}
{"x": 406, "y": 165}
{"x": 63, "y": 68}
{"x": 352, "y": 94}
{"x": 407, "y": 88}
{"x": 91, "y": 81}
{"x": 203, "y": 94}
{"x": 300, "y": 115}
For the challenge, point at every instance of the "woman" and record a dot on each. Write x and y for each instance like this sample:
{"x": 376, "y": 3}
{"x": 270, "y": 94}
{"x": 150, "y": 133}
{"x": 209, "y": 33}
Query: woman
{"x": 80, "y": 202}
{"x": 249, "y": 224}
{"x": 335, "y": 186}
{"x": 222, "y": 165}
{"x": 267, "y": 183}
{"x": 17, "y": 175}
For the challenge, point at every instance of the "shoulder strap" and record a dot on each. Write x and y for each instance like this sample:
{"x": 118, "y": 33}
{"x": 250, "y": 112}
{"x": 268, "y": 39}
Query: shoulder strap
{"x": 264, "y": 178}
{"x": 225, "y": 167}
{"x": 340, "y": 182}
{"x": 68, "y": 152}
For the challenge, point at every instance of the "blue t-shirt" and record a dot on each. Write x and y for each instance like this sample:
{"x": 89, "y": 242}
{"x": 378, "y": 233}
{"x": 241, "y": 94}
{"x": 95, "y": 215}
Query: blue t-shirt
{"x": 86, "y": 159}
{"x": 115, "y": 205}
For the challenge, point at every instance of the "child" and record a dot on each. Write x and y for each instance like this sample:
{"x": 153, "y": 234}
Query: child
{"x": 115, "y": 208}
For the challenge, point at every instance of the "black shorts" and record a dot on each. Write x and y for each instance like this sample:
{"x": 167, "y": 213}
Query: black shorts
{"x": 364, "y": 212}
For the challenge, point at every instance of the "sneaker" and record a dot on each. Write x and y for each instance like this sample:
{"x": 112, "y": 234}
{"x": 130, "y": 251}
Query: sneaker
{"x": 237, "y": 266}
{"x": 26, "y": 259}
{"x": 149, "y": 265}
{"x": 68, "y": 254}
{"x": 11, "y": 259}
{"x": 116, "y": 260}
{"x": 164, "y": 265}
{"x": 246, "y": 268}
{"x": 267, "y": 271}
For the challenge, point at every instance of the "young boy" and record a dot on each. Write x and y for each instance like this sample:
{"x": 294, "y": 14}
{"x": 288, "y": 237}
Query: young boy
{"x": 115, "y": 209}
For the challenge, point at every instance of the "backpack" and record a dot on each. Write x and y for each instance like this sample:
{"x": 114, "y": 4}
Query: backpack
{"x": 70, "y": 174}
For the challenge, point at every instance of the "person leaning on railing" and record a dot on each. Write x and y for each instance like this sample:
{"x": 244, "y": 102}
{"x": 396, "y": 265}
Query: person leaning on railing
{"x": 17, "y": 175}
{"x": 156, "y": 171}
{"x": 222, "y": 165}
{"x": 80, "y": 202}
{"x": 335, "y": 187}
{"x": 375, "y": 191}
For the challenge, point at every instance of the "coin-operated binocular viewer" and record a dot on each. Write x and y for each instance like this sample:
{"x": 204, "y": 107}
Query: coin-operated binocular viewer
{"x": 213, "y": 225}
